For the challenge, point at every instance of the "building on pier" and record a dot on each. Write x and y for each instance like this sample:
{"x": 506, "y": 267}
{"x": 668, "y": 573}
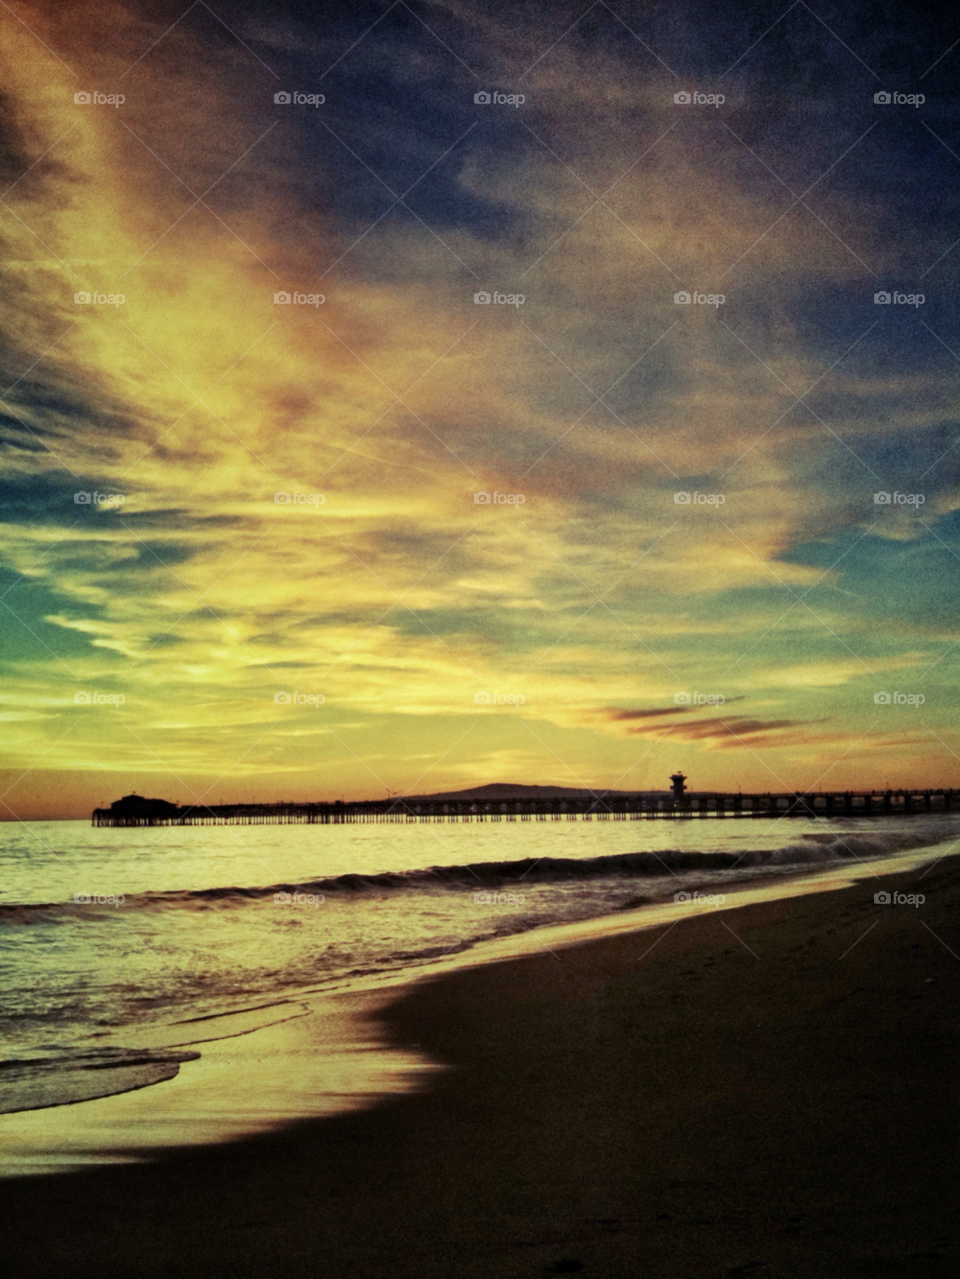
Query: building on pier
{"x": 135, "y": 810}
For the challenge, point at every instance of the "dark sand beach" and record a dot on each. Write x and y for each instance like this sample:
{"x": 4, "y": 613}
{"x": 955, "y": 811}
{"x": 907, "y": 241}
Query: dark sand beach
{"x": 770, "y": 1091}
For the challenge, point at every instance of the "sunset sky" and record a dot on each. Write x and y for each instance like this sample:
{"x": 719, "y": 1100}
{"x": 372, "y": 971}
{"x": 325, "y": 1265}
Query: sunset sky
{"x": 386, "y": 589}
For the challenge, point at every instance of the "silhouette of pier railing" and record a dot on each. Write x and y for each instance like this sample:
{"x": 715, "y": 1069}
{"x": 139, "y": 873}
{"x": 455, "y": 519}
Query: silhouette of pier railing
{"x": 135, "y": 811}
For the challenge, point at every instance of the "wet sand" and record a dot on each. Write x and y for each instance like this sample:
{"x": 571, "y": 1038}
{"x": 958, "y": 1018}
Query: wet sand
{"x": 768, "y": 1091}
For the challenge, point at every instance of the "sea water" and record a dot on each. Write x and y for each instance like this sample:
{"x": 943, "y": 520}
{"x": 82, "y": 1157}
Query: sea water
{"x": 117, "y": 944}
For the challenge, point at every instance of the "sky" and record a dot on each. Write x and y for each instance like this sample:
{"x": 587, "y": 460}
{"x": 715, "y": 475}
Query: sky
{"x": 290, "y": 510}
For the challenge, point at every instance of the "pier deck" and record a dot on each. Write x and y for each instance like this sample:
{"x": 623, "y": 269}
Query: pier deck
{"x": 613, "y": 808}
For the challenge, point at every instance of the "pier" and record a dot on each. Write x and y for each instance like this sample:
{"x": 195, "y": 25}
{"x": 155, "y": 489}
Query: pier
{"x": 134, "y": 810}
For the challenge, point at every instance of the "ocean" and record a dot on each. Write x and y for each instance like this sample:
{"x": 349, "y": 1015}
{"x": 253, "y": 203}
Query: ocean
{"x": 119, "y": 946}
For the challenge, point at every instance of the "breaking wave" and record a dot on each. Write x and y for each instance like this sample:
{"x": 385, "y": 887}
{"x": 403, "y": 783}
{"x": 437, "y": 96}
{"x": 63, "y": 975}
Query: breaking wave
{"x": 835, "y": 846}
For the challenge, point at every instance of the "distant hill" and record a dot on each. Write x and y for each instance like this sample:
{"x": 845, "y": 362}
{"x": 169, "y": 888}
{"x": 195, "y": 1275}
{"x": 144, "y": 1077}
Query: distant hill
{"x": 507, "y": 790}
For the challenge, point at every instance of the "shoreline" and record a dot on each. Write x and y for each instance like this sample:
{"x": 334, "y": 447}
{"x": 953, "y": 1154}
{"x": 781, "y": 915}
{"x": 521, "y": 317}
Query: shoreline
{"x": 337, "y": 1062}
{"x": 767, "y": 1090}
